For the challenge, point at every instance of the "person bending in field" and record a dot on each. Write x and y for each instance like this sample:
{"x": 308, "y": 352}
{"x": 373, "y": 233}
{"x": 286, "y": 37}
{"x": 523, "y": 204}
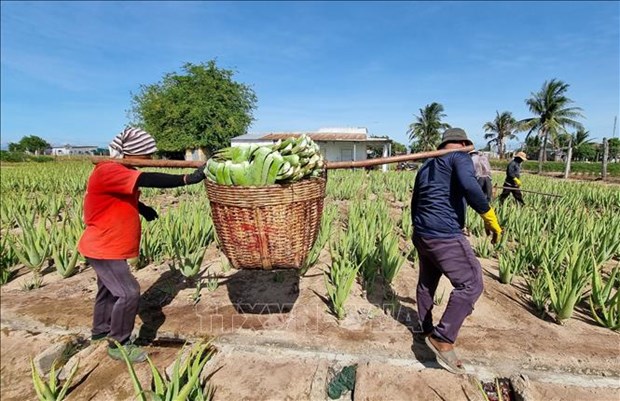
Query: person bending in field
{"x": 513, "y": 179}
{"x": 112, "y": 216}
{"x": 443, "y": 187}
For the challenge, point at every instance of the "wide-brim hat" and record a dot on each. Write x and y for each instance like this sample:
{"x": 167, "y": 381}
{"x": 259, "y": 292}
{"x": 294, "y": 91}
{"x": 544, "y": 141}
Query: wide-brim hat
{"x": 521, "y": 155}
{"x": 454, "y": 135}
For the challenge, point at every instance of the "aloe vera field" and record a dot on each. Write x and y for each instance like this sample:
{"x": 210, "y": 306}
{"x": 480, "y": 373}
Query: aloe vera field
{"x": 547, "y": 322}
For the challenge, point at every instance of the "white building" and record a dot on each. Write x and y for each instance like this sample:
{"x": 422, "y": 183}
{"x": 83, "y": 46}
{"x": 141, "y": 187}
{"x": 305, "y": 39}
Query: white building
{"x": 69, "y": 150}
{"x": 336, "y": 144}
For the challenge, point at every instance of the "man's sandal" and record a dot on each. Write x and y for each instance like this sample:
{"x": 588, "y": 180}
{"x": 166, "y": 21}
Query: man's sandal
{"x": 447, "y": 359}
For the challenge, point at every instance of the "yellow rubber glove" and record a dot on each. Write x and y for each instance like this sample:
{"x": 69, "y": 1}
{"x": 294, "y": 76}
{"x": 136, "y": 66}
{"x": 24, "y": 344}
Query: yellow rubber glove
{"x": 491, "y": 224}
{"x": 517, "y": 181}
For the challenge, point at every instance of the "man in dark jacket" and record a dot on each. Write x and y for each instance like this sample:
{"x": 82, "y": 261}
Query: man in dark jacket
{"x": 513, "y": 179}
{"x": 443, "y": 188}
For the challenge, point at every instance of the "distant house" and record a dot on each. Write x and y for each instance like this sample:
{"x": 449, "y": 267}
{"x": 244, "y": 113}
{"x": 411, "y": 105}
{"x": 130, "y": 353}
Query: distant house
{"x": 336, "y": 144}
{"x": 69, "y": 150}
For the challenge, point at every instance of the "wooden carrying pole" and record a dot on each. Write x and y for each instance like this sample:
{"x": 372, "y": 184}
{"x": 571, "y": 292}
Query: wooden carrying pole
{"x": 328, "y": 165}
{"x": 150, "y": 162}
{"x": 531, "y": 192}
{"x": 395, "y": 159}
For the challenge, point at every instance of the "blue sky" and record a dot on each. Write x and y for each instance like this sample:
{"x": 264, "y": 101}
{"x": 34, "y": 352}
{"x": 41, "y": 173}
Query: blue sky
{"x": 69, "y": 68}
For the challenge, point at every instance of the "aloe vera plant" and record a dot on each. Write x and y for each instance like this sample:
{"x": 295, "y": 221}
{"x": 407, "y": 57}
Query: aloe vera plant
{"x": 605, "y": 298}
{"x": 539, "y": 293}
{"x": 405, "y": 223}
{"x": 341, "y": 276}
{"x": 35, "y": 282}
{"x": 512, "y": 263}
{"x": 185, "y": 231}
{"x": 7, "y": 260}
{"x": 506, "y": 266}
{"x": 329, "y": 214}
{"x": 51, "y": 391}
{"x": 345, "y": 185}
{"x": 189, "y": 265}
{"x": 567, "y": 285}
{"x": 65, "y": 259}
{"x": 368, "y": 222}
{"x": 185, "y": 382}
{"x": 151, "y": 245}
{"x": 483, "y": 248}
{"x": 33, "y": 246}
{"x": 64, "y": 250}
{"x": 391, "y": 257}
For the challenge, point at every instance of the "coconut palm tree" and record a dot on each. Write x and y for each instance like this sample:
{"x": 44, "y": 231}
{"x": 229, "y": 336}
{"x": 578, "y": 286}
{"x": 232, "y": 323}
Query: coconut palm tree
{"x": 553, "y": 114}
{"x": 583, "y": 148}
{"x": 426, "y": 130}
{"x": 501, "y": 129}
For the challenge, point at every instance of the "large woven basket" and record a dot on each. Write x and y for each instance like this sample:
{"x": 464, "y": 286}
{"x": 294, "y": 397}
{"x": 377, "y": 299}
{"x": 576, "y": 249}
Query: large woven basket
{"x": 270, "y": 227}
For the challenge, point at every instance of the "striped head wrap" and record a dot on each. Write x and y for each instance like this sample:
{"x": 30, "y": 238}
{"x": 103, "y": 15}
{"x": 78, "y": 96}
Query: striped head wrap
{"x": 132, "y": 142}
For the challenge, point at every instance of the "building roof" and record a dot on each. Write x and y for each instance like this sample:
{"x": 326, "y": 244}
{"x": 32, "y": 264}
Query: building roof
{"x": 319, "y": 136}
{"x": 74, "y": 146}
{"x": 251, "y": 136}
{"x": 344, "y": 130}
{"x": 359, "y": 134}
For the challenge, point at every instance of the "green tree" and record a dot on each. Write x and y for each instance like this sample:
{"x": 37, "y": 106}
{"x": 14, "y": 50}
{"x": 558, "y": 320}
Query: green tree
{"x": 377, "y": 150}
{"x": 563, "y": 140}
{"x": 203, "y": 107}
{"x": 583, "y": 148}
{"x": 501, "y": 129}
{"x": 531, "y": 146}
{"x": 398, "y": 147}
{"x": 425, "y": 132}
{"x": 550, "y": 105}
{"x": 30, "y": 143}
{"x": 15, "y": 147}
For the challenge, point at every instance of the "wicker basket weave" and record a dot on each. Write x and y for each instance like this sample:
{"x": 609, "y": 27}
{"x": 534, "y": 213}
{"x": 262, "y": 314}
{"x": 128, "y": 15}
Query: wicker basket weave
{"x": 270, "y": 227}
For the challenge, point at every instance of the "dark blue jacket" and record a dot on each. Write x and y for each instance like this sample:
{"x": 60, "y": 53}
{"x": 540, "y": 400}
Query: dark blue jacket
{"x": 443, "y": 187}
{"x": 513, "y": 170}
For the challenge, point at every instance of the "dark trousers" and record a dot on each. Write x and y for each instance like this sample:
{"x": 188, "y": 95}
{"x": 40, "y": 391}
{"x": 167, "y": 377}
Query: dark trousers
{"x": 118, "y": 296}
{"x": 516, "y": 193}
{"x": 487, "y": 187}
{"x": 454, "y": 258}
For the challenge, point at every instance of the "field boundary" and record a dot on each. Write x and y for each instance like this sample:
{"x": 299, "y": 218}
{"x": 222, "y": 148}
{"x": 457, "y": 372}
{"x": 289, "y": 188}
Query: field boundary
{"x": 228, "y": 344}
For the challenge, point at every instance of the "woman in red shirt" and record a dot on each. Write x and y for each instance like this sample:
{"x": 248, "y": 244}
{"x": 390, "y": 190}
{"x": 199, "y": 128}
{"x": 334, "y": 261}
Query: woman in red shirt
{"x": 112, "y": 216}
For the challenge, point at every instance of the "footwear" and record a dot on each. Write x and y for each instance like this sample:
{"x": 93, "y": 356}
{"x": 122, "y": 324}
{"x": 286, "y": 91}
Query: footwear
{"x": 134, "y": 353}
{"x": 98, "y": 337}
{"x": 447, "y": 359}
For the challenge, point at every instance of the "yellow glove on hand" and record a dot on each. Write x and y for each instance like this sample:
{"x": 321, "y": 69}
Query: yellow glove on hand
{"x": 517, "y": 181}
{"x": 491, "y": 224}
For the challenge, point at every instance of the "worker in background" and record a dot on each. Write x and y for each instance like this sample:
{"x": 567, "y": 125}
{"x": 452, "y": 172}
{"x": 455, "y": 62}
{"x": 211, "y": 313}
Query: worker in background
{"x": 482, "y": 168}
{"x": 443, "y": 187}
{"x": 513, "y": 179}
{"x": 112, "y": 216}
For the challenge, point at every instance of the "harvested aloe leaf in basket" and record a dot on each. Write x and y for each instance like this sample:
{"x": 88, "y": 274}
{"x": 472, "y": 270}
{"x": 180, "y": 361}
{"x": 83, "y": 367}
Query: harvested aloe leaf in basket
{"x": 285, "y": 161}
